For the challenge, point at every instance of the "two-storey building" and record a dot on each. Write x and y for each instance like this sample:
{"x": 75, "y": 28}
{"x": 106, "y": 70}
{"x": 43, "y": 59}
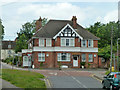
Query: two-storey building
{"x": 62, "y": 42}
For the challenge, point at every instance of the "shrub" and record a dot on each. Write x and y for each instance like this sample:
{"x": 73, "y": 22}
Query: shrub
{"x": 82, "y": 63}
{"x": 9, "y": 60}
{"x": 89, "y": 65}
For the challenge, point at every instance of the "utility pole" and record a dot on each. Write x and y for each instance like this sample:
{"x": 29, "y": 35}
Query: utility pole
{"x": 117, "y": 56}
{"x": 0, "y": 39}
{"x": 114, "y": 63}
{"x": 111, "y": 49}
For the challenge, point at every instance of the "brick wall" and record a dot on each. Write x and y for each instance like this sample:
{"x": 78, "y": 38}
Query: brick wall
{"x": 51, "y": 60}
{"x": 36, "y": 42}
{"x": 95, "y": 43}
{"x": 57, "y": 42}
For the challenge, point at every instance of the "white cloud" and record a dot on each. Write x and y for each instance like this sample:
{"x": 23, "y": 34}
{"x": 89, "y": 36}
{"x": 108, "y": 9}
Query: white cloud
{"x": 30, "y": 12}
{"x": 20, "y": 13}
{"x": 12, "y": 27}
{"x": 110, "y": 16}
{"x": 55, "y": 11}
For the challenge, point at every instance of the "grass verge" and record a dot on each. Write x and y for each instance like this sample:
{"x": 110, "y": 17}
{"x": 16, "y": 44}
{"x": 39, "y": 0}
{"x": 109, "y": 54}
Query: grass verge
{"x": 23, "y": 79}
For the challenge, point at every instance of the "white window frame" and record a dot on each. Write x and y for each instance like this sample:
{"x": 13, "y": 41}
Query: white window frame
{"x": 41, "y": 56}
{"x": 41, "y": 44}
{"x": 48, "y": 42}
{"x": 91, "y": 43}
{"x": 90, "y": 60}
{"x": 82, "y": 58}
{"x": 71, "y": 43}
{"x": 63, "y": 42}
{"x": 85, "y": 43}
{"x": 25, "y": 62}
{"x": 59, "y": 57}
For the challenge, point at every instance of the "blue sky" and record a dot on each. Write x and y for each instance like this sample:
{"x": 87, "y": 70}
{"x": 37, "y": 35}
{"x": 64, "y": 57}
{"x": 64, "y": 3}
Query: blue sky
{"x": 14, "y": 15}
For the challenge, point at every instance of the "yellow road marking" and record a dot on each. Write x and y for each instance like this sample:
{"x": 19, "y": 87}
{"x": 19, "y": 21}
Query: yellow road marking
{"x": 48, "y": 82}
{"x": 96, "y": 78}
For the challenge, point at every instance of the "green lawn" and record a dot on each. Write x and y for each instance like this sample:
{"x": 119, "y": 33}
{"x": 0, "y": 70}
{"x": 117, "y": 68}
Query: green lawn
{"x": 23, "y": 79}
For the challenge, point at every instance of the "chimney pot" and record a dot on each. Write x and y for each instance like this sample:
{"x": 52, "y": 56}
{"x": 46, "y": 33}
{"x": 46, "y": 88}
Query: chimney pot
{"x": 74, "y": 22}
{"x": 38, "y": 24}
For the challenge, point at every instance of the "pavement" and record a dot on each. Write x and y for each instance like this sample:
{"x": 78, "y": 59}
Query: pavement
{"x": 6, "y": 84}
{"x": 68, "y": 78}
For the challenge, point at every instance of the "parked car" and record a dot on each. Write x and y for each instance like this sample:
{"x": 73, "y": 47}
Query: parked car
{"x": 112, "y": 81}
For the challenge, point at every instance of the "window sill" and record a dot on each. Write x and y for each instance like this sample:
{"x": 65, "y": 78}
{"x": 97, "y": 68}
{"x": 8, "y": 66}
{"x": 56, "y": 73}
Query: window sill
{"x": 41, "y": 61}
{"x": 83, "y": 61}
{"x": 64, "y": 61}
{"x": 84, "y": 47}
{"x": 67, "y": 46}
{"x": 90, "y": 46}
{"x": 90, "y": 61}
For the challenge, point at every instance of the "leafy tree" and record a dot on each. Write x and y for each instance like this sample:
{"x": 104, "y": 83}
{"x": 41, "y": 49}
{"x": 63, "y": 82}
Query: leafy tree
{"x": 26, "y": 32}
{"x": 103, "y": 31}
{"x": 21, "y": 43}
{"x": 1, "y": 29}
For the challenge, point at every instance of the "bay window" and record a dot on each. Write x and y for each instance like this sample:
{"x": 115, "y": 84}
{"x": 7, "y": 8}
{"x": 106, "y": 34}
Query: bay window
{"x": 63, "y": 56}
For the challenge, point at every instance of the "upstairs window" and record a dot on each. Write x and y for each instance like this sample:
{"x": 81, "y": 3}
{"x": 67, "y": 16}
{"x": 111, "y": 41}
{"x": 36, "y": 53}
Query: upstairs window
{"x": 67, "y": 42}
{"x": 83, "y": 43}
{"x": 41, "y": 42}
{"x": 90, "y": 43}
{"x": 63, "y": 42}
{"x": 48, "y": 42}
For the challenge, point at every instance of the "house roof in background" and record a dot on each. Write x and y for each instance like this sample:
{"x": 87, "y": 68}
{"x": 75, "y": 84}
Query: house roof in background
{"x": 54, "y": 26}
{"x": 6, "y": 43}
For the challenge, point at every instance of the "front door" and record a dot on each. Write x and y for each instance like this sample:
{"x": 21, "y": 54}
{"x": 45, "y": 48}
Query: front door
{"x": 26, "y": 61}
{"x": 75, "y": 61}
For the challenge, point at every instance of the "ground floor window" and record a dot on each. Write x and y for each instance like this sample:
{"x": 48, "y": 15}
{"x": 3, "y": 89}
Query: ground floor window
{"x": 63, "y": 56}
{"x": 90, "y": 58}
{"x": 83, "y": 57}
{"x": 41, "y": 57}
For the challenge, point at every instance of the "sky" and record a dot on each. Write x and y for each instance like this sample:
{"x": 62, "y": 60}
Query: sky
{"x": 15, "y": 13}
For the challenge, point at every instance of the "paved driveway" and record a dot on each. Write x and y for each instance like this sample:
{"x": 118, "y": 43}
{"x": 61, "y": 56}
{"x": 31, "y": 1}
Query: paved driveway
{"x": 70, "y": 79}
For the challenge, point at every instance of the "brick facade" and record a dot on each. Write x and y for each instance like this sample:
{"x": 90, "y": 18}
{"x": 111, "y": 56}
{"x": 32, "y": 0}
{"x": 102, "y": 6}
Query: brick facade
{"x": 72, "y": 35}
{"x": 51, "y": 61}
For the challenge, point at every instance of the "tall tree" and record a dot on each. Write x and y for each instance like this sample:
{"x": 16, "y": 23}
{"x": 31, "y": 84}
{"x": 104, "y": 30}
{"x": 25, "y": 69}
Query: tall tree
{"x": 21, "y": 43}
{"x": 103, "y": 31}
{"x": 1, "y": 29}
{"x": 26, "y": 32}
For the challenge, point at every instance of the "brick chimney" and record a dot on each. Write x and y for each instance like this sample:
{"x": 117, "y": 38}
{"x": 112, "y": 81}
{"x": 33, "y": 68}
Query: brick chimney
{"x": 38, "y": 24}
{"x": 74, "y": 22}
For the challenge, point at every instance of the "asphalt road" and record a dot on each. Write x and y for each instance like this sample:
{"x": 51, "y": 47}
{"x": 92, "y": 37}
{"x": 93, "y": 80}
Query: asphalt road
{"x": 68, "y": 78}
{"x": 74, "y": 82}
{"x": 71, "y": 79}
